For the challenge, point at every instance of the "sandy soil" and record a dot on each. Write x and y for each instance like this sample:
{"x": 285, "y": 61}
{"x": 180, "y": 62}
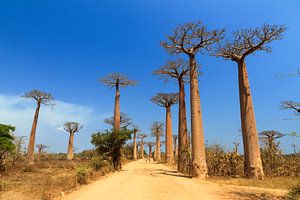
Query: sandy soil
{"x": 144, "y": 181}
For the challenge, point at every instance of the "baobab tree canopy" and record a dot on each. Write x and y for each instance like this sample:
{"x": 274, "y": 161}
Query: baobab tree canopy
{"x": 190, "y": 38}
{"x": 72, "y": 127}
{"x": 117, "y": 80}
{"x": 125, "y": 120}
{"x": 157, "y": 128}
{"x": 247, "y": 41}
{"x": 165, "y": 99}
{"x": 39, "y": 96}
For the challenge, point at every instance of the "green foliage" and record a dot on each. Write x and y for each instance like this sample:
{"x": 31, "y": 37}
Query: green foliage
{"x": 7, "y": 146}
{"x": 109, "y": 145}
{"x": 83, "y": 174}
{"x": 127, "y": 151}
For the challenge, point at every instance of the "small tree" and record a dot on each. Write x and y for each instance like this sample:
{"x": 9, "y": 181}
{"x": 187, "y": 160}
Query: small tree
{"x": 72, "y": 128}
{"x": 157, "y": 129}
{"x": 41, "y": 150}
{"x": 110, "y": 143}
{"x": 150, "y": 145}
{"x": 167, "y": 100}
{"x": 142, "y": 137}
{"x": 7, "y": 146}
{"x": 116, "y": 81}
{"x": 42, "y": 98}
{"x": 244, "y": 43}
{"x": 190, "y": 39}
{"x": 19, "y": 141}
{"x": 125, "y": 121}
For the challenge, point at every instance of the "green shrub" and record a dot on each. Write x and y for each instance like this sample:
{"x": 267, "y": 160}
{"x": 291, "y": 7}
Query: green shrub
{"x": 83, "y": 175}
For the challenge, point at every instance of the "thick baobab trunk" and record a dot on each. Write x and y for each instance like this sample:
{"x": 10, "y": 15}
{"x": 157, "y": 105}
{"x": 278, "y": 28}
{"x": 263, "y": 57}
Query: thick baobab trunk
{"x": 182, "y": 128}
{"x": 175, "y": 147}
{"x": 150, "y": 153}
{"x": 134, "y": 147}
{"x": 169, "y": 143}
{"x": 198, "y": 148}
{"x": 142, "y": 150}
{"x": 157, "y": 149}
{"x": 70, "y": 147}
{"x": 117, "y": 115}
{"x": 253, "y": 163}
{"x": 30, "y": 156}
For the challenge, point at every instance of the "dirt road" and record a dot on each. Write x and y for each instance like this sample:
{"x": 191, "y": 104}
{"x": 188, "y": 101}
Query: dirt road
{"x": 150, "y": 181}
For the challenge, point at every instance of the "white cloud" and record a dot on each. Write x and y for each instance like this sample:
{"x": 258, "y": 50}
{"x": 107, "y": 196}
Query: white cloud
{"x": 17, "y": 111}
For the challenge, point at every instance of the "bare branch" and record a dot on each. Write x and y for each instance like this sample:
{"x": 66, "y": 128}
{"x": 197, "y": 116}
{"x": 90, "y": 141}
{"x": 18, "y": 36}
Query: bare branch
{"x": 125, "y": 120}
{"x": 39, "y": 96}
{"x": 72, "y": 127}
{"x": 157, "y": 129}
{"x": 116, "y": 80}
{"x": 165, "y": 99}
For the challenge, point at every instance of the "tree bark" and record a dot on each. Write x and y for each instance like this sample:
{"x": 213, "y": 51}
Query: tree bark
{"x": 150, "y": 153}
{"x": 182, "y": 128}
{"x": 157, "y": 149}
{"x": 134, "y": 147}
{"x": 70, "y": 147}
{"x": 117, "y": 114}
{"x": 142, "y": 149}
{"x": 169, "y": 143}
{"x": 253, "y": 163}
{"x": 198, "y": 147}
{"x": 30, "y": 156}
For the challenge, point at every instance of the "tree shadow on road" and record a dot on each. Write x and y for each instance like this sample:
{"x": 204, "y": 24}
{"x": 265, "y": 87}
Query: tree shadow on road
{"x": 257, "y": 196}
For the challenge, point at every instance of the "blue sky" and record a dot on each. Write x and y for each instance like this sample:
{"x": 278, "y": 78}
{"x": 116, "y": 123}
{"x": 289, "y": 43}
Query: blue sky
{"x": 63, "y": 47}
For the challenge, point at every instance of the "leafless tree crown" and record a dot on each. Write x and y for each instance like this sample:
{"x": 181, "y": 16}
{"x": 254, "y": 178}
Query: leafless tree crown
{"x": 157, "y": 129}
{"x": 72, "y": 127}
{"x": 125, "y": 120}
{"x": 291, "y": 105}
{"x": 176, "y": 69}
{"x": 165, "y": 99}
{"x": 267, "y": 135}
{"x": 39, "y": 96}
{"x": 247, "y": 41}
{"x": 190, "y": 38}
{"x": 142, "y": 136}
{"x": 117, "y": 80}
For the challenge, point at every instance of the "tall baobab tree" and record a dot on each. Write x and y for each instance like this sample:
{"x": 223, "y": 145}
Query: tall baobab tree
{"x": 167, "y": 100}
{"x": 246, "y": 42}
{"x": 190, "y": 39}
{"x": 175, "y": 137}
{"x": 72, "y": 128}
{"x": 269, "y": 138}
{"x": 150, "y": 145}
{"x": 117, "y": 80}
{"x": 42, "y": 98}
{"x": 134, "y": 131}
{"x": 157, "y": 129}
{"x": 178, "y": 70}
{"x": 125, "y": 121}
{"x": 142, "y": 137}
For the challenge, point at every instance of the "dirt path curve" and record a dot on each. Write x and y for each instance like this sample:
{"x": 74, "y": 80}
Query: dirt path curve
{"x": 150, "y": 181}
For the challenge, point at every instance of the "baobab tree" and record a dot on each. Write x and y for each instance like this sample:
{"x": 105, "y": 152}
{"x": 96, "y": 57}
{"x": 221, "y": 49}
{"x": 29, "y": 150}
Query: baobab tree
{"x": 269, "y": 137}
{"x": 167, "y": 100}
{"x": 178, "y": 70}
{"x": 142, "y": 137}
{"x": 244, "y": 43}
{"x": 135, "y": 130}
{"x": 41, "y": 150}
{"x": 117, "y": 80}
{"x": 291, "y": 105}
{"x": 72, "y": 128}
{"x": 19, "y": 141}
{"x": 150, "y": 145}
{"x": 42, "y": 98}
{"x": 157, "y": 129}
{"x": 190, "y": 39}
{"x": 125, "y": 121}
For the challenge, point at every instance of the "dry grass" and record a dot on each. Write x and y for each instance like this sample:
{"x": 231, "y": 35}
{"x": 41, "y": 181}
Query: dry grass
{"x": 273, "y": 183}
{"x": 45, "y": 180}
